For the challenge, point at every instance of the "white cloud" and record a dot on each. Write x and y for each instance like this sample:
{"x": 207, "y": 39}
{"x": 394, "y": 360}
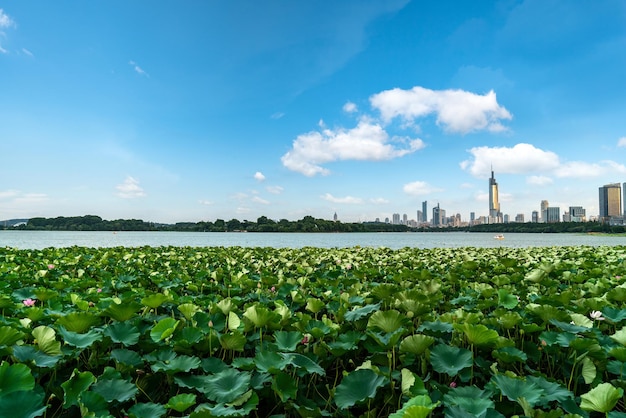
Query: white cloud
{"x": 520, "y": 159}
{"x": 2, "y": 50}
{"x": 31, "y": 198}
{"x": 257, "y": 199}
{"x": 7, "y": 194}
{"x": 538, "y": 180}
{"x": 205, "y": 202}
{"x": 621, "y": 142}
{"x": 346, "y": 199}
{"x": 5, "y": 20}
{"x": 379, "y": 201}
{"x": 457, "y": 111}
{"x": 366, "y": 142}
{"x": 277, "y": 115}
{"x": 579, "y": 169}
{"x": 242, "y": 210}
{"x": 419, "y": 188}
{"x": 350, "y": 107}
{"x": 27, "y": 52}
{"x": 259, "y": 176}
{"x": 137, "y": 68}
{"x": 274, "y": 189}
{"x": 130, "y": 189}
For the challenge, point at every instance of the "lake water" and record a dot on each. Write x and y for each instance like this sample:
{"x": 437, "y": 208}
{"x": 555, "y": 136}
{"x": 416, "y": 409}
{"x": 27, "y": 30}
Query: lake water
{"x": 44, "y": 239}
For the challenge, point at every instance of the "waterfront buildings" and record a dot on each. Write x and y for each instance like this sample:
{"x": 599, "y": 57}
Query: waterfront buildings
{"x": 495, "y": 216}
{"x": 610, "y": 201}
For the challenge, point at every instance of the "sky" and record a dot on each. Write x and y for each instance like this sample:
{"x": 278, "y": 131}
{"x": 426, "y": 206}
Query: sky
{"x": 201, "y": 110}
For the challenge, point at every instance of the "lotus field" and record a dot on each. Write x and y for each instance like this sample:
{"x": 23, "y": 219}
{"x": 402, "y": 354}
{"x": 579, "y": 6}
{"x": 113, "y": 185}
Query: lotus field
{"x": 225, "y": 332}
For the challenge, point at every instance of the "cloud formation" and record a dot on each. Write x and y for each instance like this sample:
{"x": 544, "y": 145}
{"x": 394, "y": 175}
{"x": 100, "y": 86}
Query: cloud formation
{"x": 130, "y": 189}
{"x": 527, "y": 159}
{"x": 538, "y": 180}
{"x": 350, "y": 107}
{"x": 138, "y": 69}
{"x": 457, "y": 111}
{"x": 366, "y": 142}
{"x": 259, "y": 176}
{"x": 274, "y": 189}
{"x": 5, "y": 20}
{"x": 419, "y": 188}
{"x": 621, "y": 142}
{"x": 347, "y": 199}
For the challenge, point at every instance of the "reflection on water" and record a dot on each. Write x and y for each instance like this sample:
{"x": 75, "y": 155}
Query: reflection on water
{"x": 43, "y": 239}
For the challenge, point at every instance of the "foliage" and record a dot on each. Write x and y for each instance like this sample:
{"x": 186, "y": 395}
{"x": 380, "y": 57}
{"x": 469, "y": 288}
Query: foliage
{"x": 201, "y": 332}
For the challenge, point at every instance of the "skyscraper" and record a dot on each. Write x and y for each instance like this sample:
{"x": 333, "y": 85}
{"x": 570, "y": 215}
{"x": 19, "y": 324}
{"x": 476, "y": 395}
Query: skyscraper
{"x": 610, "y": 196}
{"x": 425, "y": 211}
{"x": 544, "y": 210}
{"x": 436, "y": 216}
{"x": 494, "y": 203}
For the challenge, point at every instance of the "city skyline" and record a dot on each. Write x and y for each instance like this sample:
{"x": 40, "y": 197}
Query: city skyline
{"x": 212, "y": 110}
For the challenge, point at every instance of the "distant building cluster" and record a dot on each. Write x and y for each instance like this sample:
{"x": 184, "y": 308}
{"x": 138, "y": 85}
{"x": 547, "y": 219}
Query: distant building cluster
{"x": 612, "y": 205}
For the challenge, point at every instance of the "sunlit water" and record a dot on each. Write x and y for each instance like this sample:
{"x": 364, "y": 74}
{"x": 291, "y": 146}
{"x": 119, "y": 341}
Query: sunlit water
{"x": 44, "y": 239}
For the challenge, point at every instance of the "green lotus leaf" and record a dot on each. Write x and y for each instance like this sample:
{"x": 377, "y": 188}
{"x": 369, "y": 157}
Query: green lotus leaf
{"x": 43, "y": 294}
{"x": 437, "y": 328}
{"x": 419, "y": 406}
{"x": 602, "y": 398}
{"x": 6, "y": 302}
{"x": 23, "y": 404}
{"x": 478, "y": 335}
{"x": 261, "y": 316}
{"x": 9, "y": 336}
{"x": 197, "y": 382}
{"x": 270, "y": 362}
{"x": 181, "y": 363}
{"x": 450, "y": 360}
{"x": 73, "y": 388}
{"x": 35, "y": 313}
{"x": 189, "y": 335}
{"x": 213, "y": 365}
{"x": 284, "y": 386}
{"x": 619, "y": 353}
{"x": 227, "y": 410}
{"x": 506, "y": 299}
{"x": 620, "y": 336}
{"x": 536, "y": 276}
{"x": 15, "y": 378}
{"x": 510, "y": 355}
{"x": 317, "y": 329}
{"x": 235, "y": 341}
{"x": 552, "y": 391}
{"x": 517, "y": 388}
{"x": 386, "y": 321}
{"x": 128, "y": 357}
{"x": 93, "y": 404}
{"x": 180, "y": 403}
{"x": 581, "y": 320}
{"x": 357, "y": 313}
{"x": 470, "y": 399}
{"x": 188, "y": 310}
{"x": 45, "y": 337}
{"x": 227, "y": 385}
{"x": 567, "y": 327}
{"x": 416, "y": 344}
{"x": 314, "y": 305}
{"x": 509, "y": 320}
{"x": 617, "y": 368}
{"x": 287, "y": 340}
{"x": 614, "y": 315}
{"x": 358, "y": 386}
{"x": 304, "y": 363}
{"x": 28, "y": 353}
{"x": 122, "y": 332}
{"x": 163, "y": 329}
{"x": 118, "y": 389}
{"x": 154, "y": 300}
{"x": 226, "y": 305}
{"x": 80, "y": 340}
{"x": 147, "y": 410}
{"x": 411, "y": 384}
{"x": 123, "y": 311}
{"x": 233, "y": 321}
{"x": 346, "y": 341}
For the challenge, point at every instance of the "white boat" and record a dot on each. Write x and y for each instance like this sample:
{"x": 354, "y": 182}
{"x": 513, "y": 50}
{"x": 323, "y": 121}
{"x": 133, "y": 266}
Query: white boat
{"x": 499, "y": 236}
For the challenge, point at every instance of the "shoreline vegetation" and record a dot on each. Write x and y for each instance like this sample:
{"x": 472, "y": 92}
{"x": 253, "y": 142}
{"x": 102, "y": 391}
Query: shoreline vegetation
{"x": 306, "y": 224}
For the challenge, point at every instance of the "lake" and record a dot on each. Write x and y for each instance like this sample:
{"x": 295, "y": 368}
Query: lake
{"x": 44, "y": 239}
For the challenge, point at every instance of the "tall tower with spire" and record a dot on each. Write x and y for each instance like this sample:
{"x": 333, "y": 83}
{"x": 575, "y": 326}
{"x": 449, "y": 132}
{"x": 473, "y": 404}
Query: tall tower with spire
{"x": 494, "y": 204}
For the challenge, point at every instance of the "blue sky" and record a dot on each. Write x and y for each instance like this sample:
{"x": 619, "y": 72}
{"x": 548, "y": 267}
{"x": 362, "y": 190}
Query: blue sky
{"x": 201, "y": 110}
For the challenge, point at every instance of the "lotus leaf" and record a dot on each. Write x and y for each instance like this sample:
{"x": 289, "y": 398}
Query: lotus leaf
{"x": 284, "y": 386}
{"x": 386, "y": 321}
{"x": 602, "y": 398}
{"x": 419, "y": 406}
{"x": 235, "y": 341}
{"x": 23, "y": 404}
{"x": 227, "y": 385}
{"x": 122, "y": 311}
{"x": 154, "y": 300}
{"x": 357, "y": 313}
{"x": 73, "y": 388}
{"x": 516, "y": 389}
{"x": 10, "y": 336}
{"x": 620, "y": 336}
{"x": 478, "y": 335}
{"x": 147, "y": 410}
{"x": 80, "y": 340}
{"x": 358, "y": 386}
{"x": 287, "y": 340}
{"x": 614, "y": 315}
{"x": 449, "y": 359}
{"x": 180, "y": 403}
{"x": 113, "y": 388}
{"x": 123, "y": 332}
{"x": 181, "y": 363}
{"x": 470, "y": 399}
{"x": 188, "y": 310}
{"x": 128, "y": 357}
{"x": 416, "y": 344}
{"x": 163, "y": 329}
{"x": 15, "y": 378}
{"x": 45, "y": 337}
{"x": 28, "y": 353}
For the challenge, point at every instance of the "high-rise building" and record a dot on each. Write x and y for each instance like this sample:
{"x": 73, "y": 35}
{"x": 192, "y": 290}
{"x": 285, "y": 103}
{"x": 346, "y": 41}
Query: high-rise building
{"x": 577, "y": 214}
{"x": 436, "y": 215}
{"x": 544, "y": 211}
{"x": 425, "y": 211}
{"x": 610, "y": 197}
{"x": 396, "y": 219}
{"x": 519, "y": 218}
{"x": 405, "y": 219}
{"x": 553, "y": 214}
{"x": 534, "y": 216}
{"x": 494, "y": 203}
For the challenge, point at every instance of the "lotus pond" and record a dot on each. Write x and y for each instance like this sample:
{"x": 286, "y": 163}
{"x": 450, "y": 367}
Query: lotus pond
{"x": 226, "y": 332}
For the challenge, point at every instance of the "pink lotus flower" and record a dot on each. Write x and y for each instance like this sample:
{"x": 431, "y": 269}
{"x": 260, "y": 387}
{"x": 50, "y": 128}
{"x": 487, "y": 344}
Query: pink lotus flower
{"x": 305, "y": 340}
{"x": 453, "y": 384}
{"x": 50, "y": 266}
{"x": 29, "y": 302}
{"x": 273, "y": 289}
{"x": 99, "y": 290}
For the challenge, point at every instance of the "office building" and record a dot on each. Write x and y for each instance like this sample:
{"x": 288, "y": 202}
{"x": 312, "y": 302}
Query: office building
{"x": 544, "y": 211}
{"x": 553, "y": 214}
{"x": 494, "y": 204}
{"x": 577, "y": 214}
{"x": 519, "y": 218}
{"x": 534, "y": 216}
{"x": 610, "y": 200}
{"x": 425, "y": 211}
{"x": 395, "y": 219}
{"x": 436, "y": 216}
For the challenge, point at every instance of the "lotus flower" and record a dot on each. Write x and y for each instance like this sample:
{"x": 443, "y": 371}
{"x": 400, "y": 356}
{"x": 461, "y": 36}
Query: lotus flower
{"x": 596, "y": 316}
{"x": 28, "y": 302}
